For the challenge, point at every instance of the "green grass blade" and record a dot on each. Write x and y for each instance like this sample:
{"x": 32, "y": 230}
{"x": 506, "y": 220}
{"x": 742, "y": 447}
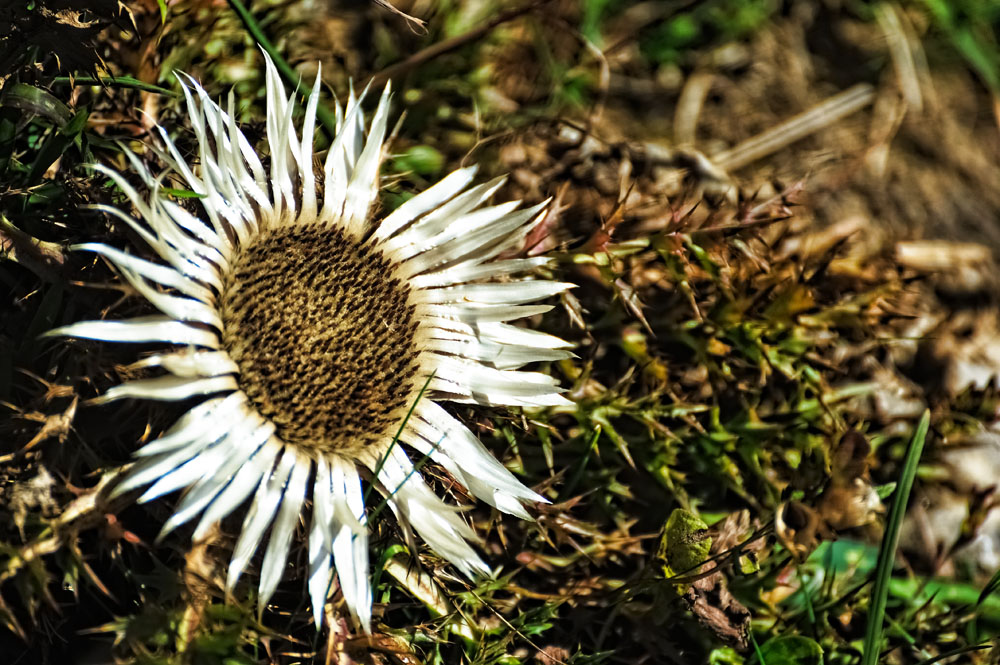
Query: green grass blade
{"x": 991, "y": 587}
{"x": 890, "y": 539}
{"x": 115, "y": 82}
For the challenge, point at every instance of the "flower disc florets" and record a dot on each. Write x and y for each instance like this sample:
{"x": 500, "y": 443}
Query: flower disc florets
{"x": 324, "y": 336}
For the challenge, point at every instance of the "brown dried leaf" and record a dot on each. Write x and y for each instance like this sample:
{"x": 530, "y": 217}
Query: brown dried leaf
{"x": 717, "y": 609}
{"x": 797, "y": 527}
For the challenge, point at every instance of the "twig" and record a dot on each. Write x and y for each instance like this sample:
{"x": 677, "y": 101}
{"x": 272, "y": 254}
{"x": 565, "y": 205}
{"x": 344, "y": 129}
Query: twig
{"x": 693, "y": 96}
{"x": 448, "y": 45}
{"x": 901, "y": 49}
{"x": 822, "y": 115}
{"x": 412, "y": 20}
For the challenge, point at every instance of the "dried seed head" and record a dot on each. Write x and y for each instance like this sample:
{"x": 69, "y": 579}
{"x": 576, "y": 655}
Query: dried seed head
{"x": 323, "y": 335}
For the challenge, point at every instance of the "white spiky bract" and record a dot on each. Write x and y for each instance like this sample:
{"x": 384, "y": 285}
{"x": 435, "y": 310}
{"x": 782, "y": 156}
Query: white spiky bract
{"x": 222, "y": 452}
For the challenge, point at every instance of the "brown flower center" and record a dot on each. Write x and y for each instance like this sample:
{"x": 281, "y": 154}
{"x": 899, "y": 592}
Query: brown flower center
{"x": 323, "y": 334}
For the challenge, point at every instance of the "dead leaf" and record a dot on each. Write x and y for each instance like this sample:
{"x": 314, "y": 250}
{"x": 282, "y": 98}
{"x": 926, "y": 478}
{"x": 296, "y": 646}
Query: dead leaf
{"x": 797, "y": 527}
{"x": 717, "y": 609}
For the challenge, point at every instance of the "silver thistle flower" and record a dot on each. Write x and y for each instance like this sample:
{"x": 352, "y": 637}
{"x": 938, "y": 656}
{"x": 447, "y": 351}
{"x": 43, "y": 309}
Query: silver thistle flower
{"x": 311, "y": 328}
